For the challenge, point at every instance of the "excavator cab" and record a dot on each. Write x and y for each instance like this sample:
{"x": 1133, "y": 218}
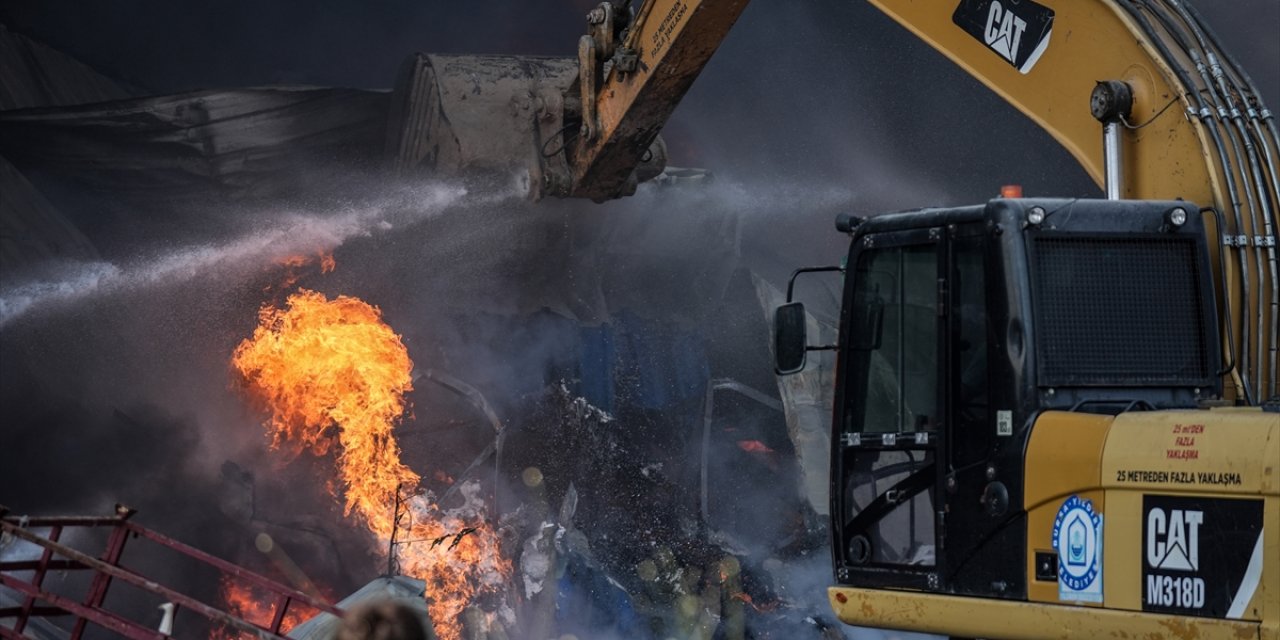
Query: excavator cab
{"x": 959, "y": 327}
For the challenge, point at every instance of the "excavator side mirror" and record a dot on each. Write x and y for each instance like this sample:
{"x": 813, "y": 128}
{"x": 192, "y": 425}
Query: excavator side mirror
{"x": 790, "y": 342}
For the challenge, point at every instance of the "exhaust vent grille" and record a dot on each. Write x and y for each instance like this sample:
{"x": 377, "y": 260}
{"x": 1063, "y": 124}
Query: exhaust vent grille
{"x": 1119, "y": 311}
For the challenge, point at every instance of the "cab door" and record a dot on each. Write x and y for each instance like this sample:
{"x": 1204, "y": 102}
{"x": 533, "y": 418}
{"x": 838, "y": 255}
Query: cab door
{"x": 978, "y": 514}
{"x": 889, "y": 416}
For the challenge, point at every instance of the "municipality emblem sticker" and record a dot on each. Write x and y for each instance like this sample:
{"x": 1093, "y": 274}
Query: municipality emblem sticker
{"x": 1077, "y": 537}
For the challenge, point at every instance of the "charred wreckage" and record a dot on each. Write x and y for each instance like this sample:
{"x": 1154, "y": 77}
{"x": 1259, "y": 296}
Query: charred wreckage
{"x": 626, "y": 490}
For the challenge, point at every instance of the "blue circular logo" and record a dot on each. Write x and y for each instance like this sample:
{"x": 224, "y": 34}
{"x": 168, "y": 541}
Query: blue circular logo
{"x": 1075, "y": 537}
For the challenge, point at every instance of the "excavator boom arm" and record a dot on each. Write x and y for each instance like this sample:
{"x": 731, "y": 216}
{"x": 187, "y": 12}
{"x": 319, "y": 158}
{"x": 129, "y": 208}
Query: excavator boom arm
{"x": 650, "y": 67}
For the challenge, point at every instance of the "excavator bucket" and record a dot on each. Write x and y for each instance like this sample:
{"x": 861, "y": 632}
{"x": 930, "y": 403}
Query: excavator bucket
{"x": 503, "y": 117}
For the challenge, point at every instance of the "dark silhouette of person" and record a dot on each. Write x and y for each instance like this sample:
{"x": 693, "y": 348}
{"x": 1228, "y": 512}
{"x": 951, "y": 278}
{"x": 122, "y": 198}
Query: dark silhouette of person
{"x": 381, "y": 620}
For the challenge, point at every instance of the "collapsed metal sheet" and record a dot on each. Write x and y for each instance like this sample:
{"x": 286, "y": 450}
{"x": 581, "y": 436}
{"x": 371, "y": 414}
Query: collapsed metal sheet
{"x": 235, "y": 142}
{"x": 806, "y": 401}
{"x": 35, "y": 75}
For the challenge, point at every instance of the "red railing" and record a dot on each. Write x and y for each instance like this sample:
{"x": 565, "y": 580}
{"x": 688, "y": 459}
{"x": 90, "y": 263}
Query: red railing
{"x": 55, "y": 556}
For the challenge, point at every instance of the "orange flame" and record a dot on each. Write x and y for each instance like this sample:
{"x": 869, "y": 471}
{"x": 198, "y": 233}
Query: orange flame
{"x": 754, "y": 446}
{"x": 256, "y": 607}
{"x": 295, "y": 264}
{"x": 762, "y": 452}
{"x": 331, "y": 372}
{"x": 762, "y": 608}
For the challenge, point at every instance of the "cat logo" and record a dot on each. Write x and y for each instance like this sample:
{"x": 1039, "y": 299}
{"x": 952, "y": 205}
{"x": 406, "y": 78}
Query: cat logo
{"x": 1173, "y": 544}
{"x": 1004, "y": 31}
{"x": 1016, "y": 30}
{"x": 1200, "y": 555}
{"x": 1173, "y": 540}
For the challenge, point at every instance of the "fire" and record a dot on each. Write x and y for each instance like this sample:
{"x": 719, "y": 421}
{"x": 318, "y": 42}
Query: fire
{"x": 762, "y": 452}
{"x": 295, "y": 265}
{"x": 754, "y": 446}
{"x": 256, "y": 607}
{"x": 331, "y": 372}
{"x": 298, "y": 261}
{"x": 762, "y": 608}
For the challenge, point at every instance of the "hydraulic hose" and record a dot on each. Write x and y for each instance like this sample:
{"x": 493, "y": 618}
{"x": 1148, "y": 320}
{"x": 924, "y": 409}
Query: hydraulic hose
{"x": 1263, "y": 122}
{"x": 1202, "y": 111}
{"x": 1230, "y": 366}
{"x": 1261, "y": 228}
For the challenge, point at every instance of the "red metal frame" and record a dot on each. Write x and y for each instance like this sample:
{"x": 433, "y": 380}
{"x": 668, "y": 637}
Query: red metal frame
{"x": 107, "y": 568}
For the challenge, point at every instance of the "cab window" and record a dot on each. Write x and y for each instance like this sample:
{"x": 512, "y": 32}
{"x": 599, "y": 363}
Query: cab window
{"x": 894, "y": 341}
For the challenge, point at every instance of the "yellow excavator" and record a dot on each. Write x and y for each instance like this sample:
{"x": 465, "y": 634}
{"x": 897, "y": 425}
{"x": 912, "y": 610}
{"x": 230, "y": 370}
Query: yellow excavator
{"x": 1052, "y": 417}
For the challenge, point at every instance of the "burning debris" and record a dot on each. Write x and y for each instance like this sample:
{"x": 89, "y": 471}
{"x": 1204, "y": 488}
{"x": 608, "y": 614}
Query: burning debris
{"x": 256, "y": 607}
{"x": 579, "y": 569}
{"x": 333, "y": 378}
{"x": 582, "y": 513}
{"x": 330, "y": 372}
